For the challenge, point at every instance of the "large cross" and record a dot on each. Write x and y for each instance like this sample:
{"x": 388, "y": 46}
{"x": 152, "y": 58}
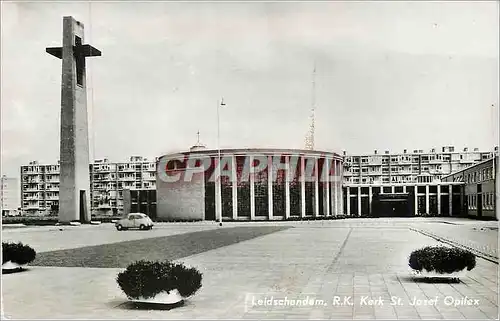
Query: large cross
{"x": 74, "y": 186}
{"x": 80, "y": 51}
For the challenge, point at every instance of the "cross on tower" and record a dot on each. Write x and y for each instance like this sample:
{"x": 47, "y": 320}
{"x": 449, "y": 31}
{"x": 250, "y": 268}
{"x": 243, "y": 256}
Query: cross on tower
{"x": 80, "y": 51}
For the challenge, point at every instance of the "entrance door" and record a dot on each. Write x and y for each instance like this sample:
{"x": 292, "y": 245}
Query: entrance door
{"x": 83, "y": 207}
{"x": 209, "y": 201}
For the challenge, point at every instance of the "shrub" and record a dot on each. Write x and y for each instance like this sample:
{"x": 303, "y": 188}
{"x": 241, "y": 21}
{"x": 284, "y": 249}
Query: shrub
{"x": 147, "y": 279}
{"x": 442, "y": 259}
{"x": 17, "y": 253}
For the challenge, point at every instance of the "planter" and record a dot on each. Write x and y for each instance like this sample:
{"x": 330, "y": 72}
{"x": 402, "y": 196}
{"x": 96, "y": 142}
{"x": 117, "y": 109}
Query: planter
{"x": 168, "y": 298}
{"x": 158, "y": 284}
{"x": 433, "y": 274}
{"x": 11, "y": 267}
{"x": 15, "y": 256}
{"x": 441, "y": 262}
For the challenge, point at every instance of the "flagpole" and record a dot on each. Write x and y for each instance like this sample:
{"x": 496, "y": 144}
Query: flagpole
{"x": 219, "y": 196}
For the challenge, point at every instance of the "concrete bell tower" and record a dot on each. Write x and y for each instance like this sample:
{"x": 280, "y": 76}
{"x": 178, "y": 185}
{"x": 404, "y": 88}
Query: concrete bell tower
{"x": 74, "y": 186}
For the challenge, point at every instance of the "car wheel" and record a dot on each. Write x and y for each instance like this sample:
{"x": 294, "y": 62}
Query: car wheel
{"x": 142, "y": 227}
{"x": 119, "y": 227}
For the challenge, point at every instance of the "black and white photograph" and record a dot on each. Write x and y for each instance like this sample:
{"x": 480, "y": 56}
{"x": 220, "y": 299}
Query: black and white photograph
{"x": 251, "y": 160}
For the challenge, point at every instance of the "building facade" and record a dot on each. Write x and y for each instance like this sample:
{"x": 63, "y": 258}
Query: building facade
{"x": 478, "y": 188}
{"x": 406, "y": 167}
{"x": 414, "y": 199}
{"x": 40, "y": 185}
{"x": 254, "y": 184}
{"x": 9, "y": 196}
{"x": 407, "y": 184}
{"x": 39, "y": 189}
{"x": 109, "y": 180}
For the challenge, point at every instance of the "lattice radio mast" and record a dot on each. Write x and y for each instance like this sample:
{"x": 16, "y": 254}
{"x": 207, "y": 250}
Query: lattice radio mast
{"x": 310, "y": 134}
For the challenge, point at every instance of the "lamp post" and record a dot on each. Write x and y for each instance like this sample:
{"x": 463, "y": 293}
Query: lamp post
{"x": 219, "y": 186}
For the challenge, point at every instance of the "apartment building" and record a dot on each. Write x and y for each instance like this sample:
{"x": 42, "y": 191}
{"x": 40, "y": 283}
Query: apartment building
{"x": 409, "y": 167}
{"x": 39, "y": 189}
{"x": 40, "y": 185}
{"x": 109, "y": 180}
{"x": 9, "y": 196}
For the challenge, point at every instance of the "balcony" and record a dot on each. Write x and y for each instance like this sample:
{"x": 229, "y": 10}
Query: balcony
{"x": 103, "y": 179}
{"x": 435, "y": 161}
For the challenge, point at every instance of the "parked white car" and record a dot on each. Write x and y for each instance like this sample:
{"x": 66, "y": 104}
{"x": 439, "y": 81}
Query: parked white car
{"x": 134, "y": 220}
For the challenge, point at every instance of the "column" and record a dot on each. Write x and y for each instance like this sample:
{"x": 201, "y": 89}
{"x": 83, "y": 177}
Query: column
{"x": 359, "y": 200}
{"x": 302, "y": 186}
{"x": 287, "y": 187}
{"x": 450, "y": 199}
{"x": 270, "y": 186}
{"x": 370, "y": 195}
{"x": 316, "y": 187}
{"x": 348, "y": 200}
{"x": 439, "y": 198}
{"x": 404, "y": 188}
{"x": 252, "y": 190}
{"x": 235, "y": 187}
{"x": 340, "y": 192}
{"x": 416, "y": 199}
{"x": 326, "y": 188}
{"x": 335, "y": 205}
{"x": 427, "y": 199}
{"x": 392, "y": 189}
{"x": 461, "y": 189}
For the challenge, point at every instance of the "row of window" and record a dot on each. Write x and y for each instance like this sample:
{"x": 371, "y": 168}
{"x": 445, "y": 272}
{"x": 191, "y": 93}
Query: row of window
{"x": 415, "y": 159}
{"x": 479, "y": 175}
{"x": 488, "y": 201}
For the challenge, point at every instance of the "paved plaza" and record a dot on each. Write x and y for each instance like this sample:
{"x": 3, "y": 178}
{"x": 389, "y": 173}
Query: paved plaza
{"x": 362, "y": 261}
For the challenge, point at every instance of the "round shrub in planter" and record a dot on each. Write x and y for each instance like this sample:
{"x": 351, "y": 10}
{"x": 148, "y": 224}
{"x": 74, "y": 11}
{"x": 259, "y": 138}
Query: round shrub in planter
{"x": 15, "y": 256}
{"x": 442, "y": 261}
{"x": 159, "y": 282}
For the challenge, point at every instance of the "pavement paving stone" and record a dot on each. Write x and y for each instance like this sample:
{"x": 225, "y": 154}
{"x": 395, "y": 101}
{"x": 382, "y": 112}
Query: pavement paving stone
{"x": 316, "y": 263}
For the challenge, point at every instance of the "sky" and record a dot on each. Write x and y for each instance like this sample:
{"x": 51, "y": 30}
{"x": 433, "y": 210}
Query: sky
{"x": 389, "y": 76}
